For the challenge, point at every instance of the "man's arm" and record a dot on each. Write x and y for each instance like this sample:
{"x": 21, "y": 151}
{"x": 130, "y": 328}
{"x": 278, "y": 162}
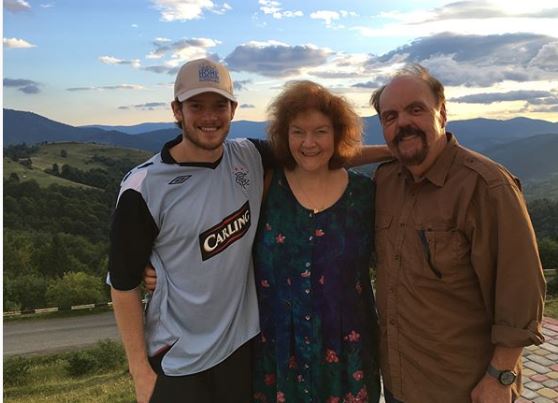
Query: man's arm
{"x": 505, "y": 257}
{"x": 489, "y": 389}
{"x": 133, "y": 232}
{"x": 370, "y": 154}
{"x": 128, "y": 311}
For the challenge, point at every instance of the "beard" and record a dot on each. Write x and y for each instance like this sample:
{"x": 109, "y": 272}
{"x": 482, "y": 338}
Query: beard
{"x": 198, "y": 140}
{"x": 419, "y": 154}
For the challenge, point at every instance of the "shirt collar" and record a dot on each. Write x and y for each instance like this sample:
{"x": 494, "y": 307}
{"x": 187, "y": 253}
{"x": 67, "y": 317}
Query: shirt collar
{"x": 167, "y": 158}
{"x": 439, "y": 170}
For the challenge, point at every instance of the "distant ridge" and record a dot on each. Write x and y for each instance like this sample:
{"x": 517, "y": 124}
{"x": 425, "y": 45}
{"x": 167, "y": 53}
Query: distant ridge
{"x": 531, "y": 159}
{"x": 133, "y": 129}
{"x": 30, "y": 128}
{"x": 479, "y": 134}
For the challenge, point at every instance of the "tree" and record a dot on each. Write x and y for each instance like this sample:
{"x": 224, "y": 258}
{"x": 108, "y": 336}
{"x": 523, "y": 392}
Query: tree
{"x": 75, "y": 289}
{"x": 26, "y": 291}
{"x": 548, "y": 249}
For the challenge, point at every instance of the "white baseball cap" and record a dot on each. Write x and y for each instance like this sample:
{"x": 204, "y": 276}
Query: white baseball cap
{"x": 203, "y": 75}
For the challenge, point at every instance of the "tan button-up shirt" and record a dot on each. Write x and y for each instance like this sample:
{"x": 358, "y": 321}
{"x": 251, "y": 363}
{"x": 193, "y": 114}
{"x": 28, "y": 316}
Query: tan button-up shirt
{"x": 458, "y": 272}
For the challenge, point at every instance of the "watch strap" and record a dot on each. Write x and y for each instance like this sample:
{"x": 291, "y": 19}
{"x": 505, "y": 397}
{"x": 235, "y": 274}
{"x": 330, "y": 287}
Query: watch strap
{"x": 496, "y": 373}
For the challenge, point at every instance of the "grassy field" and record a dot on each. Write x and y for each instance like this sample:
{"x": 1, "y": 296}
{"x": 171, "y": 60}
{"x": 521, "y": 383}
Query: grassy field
{"x": 78, "y": 155}
{"x": 42, "y": 178}
{"x": 48, "y": 379}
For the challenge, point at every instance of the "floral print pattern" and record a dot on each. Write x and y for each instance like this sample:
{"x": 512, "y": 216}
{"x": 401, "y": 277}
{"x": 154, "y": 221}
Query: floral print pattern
{"x": 318, "y": 340}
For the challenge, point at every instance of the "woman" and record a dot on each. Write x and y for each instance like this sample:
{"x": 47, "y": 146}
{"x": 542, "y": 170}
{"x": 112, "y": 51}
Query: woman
{"x": 318, "y": 321}
{"x": 317, "y": 316}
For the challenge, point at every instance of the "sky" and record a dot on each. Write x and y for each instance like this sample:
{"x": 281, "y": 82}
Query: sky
{"x": 114, "y": 62}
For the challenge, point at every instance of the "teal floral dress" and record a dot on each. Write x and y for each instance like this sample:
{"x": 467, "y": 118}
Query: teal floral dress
{"x": 318, "y": 340}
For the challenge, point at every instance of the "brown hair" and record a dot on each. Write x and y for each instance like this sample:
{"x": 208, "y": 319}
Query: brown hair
{"x": 413, "y": 70}
{"x": 301, "y": 96}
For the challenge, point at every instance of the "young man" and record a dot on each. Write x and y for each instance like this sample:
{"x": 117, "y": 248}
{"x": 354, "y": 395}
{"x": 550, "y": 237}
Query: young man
{"x": 191, "y": 211}
{"x": 460, "y": 288}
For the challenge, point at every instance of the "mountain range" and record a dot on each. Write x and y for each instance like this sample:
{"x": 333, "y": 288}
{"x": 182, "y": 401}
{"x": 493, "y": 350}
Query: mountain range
{"x": 528, "y": 147}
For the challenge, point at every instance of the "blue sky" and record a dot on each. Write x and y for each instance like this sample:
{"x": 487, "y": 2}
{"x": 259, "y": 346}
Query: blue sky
{"x": 114, "y": 61}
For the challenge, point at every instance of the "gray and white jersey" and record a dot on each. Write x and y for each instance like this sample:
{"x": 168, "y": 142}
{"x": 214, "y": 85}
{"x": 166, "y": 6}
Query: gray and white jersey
{"x": 196, "y": 224}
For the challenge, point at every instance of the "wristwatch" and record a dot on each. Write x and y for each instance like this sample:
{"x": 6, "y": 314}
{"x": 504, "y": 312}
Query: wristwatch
{"x": 506, "y": 377}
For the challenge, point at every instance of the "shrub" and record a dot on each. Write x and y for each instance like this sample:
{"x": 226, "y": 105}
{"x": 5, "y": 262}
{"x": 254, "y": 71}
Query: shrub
{"x": 16, "y": 370}
{"x": 109, "y": 354}
{"x": 81, "y": 363}
{"x": 106, "y": 355}
{"x": 75, "y": 289}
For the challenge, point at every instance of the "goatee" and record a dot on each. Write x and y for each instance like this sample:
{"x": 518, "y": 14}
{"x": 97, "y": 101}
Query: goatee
{"x": 420, "y": 154}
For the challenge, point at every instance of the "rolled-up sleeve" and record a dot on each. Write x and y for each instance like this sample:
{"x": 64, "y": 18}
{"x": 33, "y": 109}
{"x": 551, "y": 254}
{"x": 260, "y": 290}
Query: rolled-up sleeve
{"x": 505, "y": 257}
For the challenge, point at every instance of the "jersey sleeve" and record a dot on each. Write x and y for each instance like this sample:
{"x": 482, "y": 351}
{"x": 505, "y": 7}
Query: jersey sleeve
{"x": 132, "y": 234}
{"x": 266, "y": 153}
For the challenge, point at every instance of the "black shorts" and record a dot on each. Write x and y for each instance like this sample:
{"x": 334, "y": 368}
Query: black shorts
{"x": 228, "y": 382}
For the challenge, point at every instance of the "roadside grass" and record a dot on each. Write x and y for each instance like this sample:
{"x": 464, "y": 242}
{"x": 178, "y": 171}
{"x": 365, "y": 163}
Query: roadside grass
{"x": 49, "y": 380}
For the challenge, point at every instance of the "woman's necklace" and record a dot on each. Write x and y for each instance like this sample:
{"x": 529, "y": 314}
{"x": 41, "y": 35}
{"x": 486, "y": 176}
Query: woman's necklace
{"x": 314, "y": 206}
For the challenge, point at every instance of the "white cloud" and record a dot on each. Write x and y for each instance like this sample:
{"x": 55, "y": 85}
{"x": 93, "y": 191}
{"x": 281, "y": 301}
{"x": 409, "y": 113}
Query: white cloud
{"x": 16, "y": 6}
{"x": 148, "y": 106}
{"x": 17, "y": 43}
{"x": 475, "y": 60}
{"x": 276, "y": 59}
{"x": 222, "y": 9}
{"x": 135, "y": 63}
{"x": 327, "y": 16}
{"x": 547, "y": 58}
{"x": 107, "y": 87}
{"x": 467, "y": 17}
{"x": 181, "y": 50}
{"x": 273, "y": 8}
{"x": 533, "y": 96}
{"x": 184, "y": 10}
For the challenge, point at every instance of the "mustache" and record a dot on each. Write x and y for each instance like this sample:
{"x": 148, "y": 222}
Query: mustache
{"x": 408, "y": 131}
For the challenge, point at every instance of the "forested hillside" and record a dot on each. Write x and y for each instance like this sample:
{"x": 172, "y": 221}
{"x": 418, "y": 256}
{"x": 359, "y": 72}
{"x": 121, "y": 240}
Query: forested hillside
{"x": 58, "y": 200}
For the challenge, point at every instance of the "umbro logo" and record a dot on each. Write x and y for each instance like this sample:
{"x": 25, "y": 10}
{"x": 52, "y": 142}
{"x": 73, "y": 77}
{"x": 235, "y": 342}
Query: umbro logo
{"x": 180, "y": 179}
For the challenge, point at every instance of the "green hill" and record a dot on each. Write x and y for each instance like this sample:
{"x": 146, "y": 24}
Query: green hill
{"x": 546, "y": 189}
{"x": 81, "y": 156}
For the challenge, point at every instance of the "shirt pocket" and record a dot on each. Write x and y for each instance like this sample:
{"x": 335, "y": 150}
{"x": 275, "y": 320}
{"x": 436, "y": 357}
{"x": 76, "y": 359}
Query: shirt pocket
{"x": 447, "y": 253}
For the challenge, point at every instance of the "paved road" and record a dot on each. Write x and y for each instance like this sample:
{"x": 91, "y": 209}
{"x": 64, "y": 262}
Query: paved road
{"x": 50, "y": 335}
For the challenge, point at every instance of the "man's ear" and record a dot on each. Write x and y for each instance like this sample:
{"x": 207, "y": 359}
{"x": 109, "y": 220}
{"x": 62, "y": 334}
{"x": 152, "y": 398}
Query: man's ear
{"x": 177, "y": 110}
{"x": 443, "y": 115}
{"x": 233, "y": 109}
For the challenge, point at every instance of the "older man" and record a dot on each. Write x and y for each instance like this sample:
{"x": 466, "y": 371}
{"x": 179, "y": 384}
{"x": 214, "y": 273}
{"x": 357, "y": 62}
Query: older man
{"x": 460, "y": 284}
